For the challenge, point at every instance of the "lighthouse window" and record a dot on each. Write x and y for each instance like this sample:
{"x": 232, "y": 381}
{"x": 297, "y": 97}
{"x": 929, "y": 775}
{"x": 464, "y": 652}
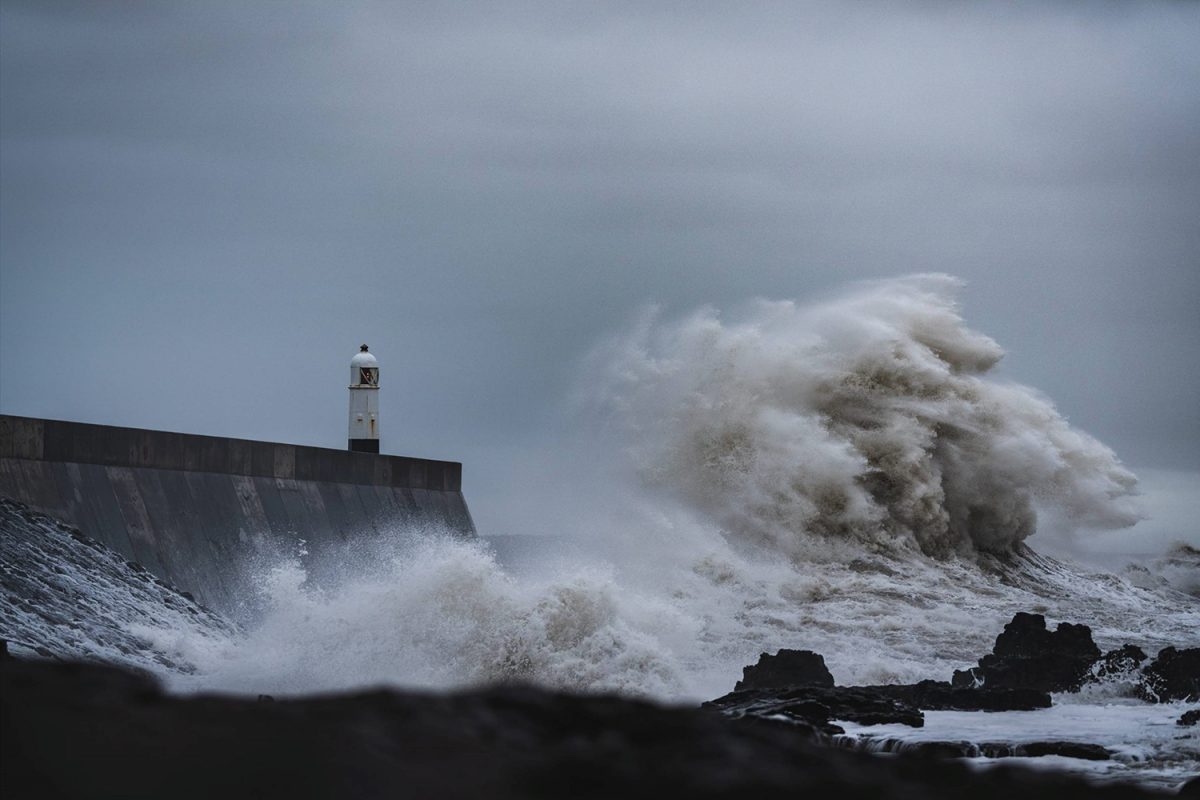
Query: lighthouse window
{"x": 368, "y": 376}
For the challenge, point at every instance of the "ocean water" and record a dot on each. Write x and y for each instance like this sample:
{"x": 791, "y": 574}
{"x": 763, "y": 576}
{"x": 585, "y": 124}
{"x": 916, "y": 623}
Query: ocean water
{"x": 1147, "y": 745}
{"x": 848, "y": 478}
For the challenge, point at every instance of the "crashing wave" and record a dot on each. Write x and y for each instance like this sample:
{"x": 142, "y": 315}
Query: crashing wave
{"x": 871, "y": 420}
{"x": 1178, "y": 568}
{"x": 64, "y": 595}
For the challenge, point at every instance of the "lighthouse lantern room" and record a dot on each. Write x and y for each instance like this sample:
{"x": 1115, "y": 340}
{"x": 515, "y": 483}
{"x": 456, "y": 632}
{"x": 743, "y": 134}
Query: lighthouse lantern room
{"x": 364, "y": 402}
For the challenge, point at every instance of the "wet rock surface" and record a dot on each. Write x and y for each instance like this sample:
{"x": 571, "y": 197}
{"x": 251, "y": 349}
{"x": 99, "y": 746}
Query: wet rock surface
{"x": 1119, "y": 663}
{"x": 942, "y": 696}
{"x": 819, "y": 706}
{"x": 786, "y": 668}
{"x": 87, "y": 731}
{"x": 1173, "y": 675}
{"x": 966, "y": 749}
{"x": 1029, "y": 656}
{"x": 1028, "y": 661}
{"x": 816, "y": 706}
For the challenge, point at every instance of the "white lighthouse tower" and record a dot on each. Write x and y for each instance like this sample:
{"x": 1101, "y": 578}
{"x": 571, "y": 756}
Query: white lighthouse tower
{"x": 364, "y": 402}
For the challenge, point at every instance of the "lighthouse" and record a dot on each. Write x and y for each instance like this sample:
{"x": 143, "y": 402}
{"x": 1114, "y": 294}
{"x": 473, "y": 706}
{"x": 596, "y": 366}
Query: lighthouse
{"x": 364, "y": 402}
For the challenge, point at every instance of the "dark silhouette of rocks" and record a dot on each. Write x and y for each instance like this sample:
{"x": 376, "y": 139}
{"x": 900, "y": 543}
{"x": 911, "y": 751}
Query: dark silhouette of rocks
{"x": 69, "y": 730}
{"x": 1121, "y": 662}
{"x": 1028, "y": 656}
{"x": 965, "y": 749}
{"x": 816, "y": 706}
{"x": 1189, "y": 718}
{"x": 795, "y": 687}
{"x": 786, "y": 668}
{"x": 1083, "y": 750}
{"x": 791, "y": 669}
{"x": 1173, "y": 675}
{"x": 942, "y": 696}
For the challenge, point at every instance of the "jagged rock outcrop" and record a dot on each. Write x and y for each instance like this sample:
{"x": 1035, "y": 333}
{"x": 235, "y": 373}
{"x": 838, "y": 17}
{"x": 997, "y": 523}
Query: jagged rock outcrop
{"x": 1119, "y": 663}
{"x": 795, "y": 687}
{"x": 1173, "y": 675}
{"x": 1028, "y": 656}
{"x": 786, "y": 668}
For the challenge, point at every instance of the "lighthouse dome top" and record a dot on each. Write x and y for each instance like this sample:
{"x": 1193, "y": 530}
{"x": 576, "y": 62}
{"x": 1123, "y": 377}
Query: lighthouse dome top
{"x": 363, "y": 358}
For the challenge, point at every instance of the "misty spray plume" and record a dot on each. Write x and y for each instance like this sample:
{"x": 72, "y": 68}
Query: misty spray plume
{"x": 813, "y": 435}
{"x": 867, "y": 420}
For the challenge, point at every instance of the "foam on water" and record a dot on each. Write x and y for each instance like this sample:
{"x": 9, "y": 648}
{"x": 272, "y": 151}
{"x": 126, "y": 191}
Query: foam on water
{"x": 443, "y": 613}
{"x": 1146, "y": 743}
{"x": 63, "y": 595}
{"x": 439, "y": 613}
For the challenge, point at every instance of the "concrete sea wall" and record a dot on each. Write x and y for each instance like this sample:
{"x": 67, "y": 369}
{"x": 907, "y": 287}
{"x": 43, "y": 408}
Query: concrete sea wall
{"x": 200, "y": 511}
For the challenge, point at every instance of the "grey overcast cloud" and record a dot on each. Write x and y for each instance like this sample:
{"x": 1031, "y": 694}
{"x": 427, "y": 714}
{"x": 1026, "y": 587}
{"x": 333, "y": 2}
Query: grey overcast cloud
{"x": 206, "y": 207}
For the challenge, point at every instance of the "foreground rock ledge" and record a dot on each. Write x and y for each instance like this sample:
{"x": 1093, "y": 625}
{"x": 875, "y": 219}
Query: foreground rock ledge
{"x": 88, "y": 731}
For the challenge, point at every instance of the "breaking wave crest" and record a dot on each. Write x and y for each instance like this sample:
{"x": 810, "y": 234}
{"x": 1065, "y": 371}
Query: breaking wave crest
{"x": 441, "y": 612}
{"x": 871, "y": 420}
{"x": 444, "y": 613}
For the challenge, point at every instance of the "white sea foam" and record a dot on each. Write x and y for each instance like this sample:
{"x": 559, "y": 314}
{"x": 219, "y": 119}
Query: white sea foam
{"x": 1146, "y": 743}
{"x": 443, "y": 613}
{"x": 440, "y": 613}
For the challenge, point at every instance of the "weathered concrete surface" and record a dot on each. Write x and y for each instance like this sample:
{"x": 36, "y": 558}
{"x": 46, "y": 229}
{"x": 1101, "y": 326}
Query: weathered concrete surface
{"x": 196, "y": 510}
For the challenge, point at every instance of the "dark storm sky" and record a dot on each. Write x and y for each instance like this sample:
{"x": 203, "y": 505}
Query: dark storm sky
{"x": 206, "y": 207}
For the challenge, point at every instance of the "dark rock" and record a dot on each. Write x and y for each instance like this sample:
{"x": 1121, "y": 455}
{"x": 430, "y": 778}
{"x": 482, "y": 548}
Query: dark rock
{"x": 941, "y": 696}
{"x": 1117, "y": 663}
{"x": 967, "y": 749}
{"x": 1083, "y": 750}
{"x": 1191, "y": 788}
{"x": 937, "y": 750}
{"x": 94, "y": 732}
{"x": 818, "y": 705}
{"x": 1189, "y": 718}
{"x": 1173, "y": 675}
{"x": 1028, "y": 656}
{"x": 786, "y": 668}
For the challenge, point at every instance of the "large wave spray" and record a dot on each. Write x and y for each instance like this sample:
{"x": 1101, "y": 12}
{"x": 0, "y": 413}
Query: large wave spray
{"x": 832, "y": 478}
{"x": 871, "y": 419}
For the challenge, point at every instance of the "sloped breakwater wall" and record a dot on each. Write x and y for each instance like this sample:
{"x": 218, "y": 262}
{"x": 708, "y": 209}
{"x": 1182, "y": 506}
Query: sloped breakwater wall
{"x": 200, "y": 511}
